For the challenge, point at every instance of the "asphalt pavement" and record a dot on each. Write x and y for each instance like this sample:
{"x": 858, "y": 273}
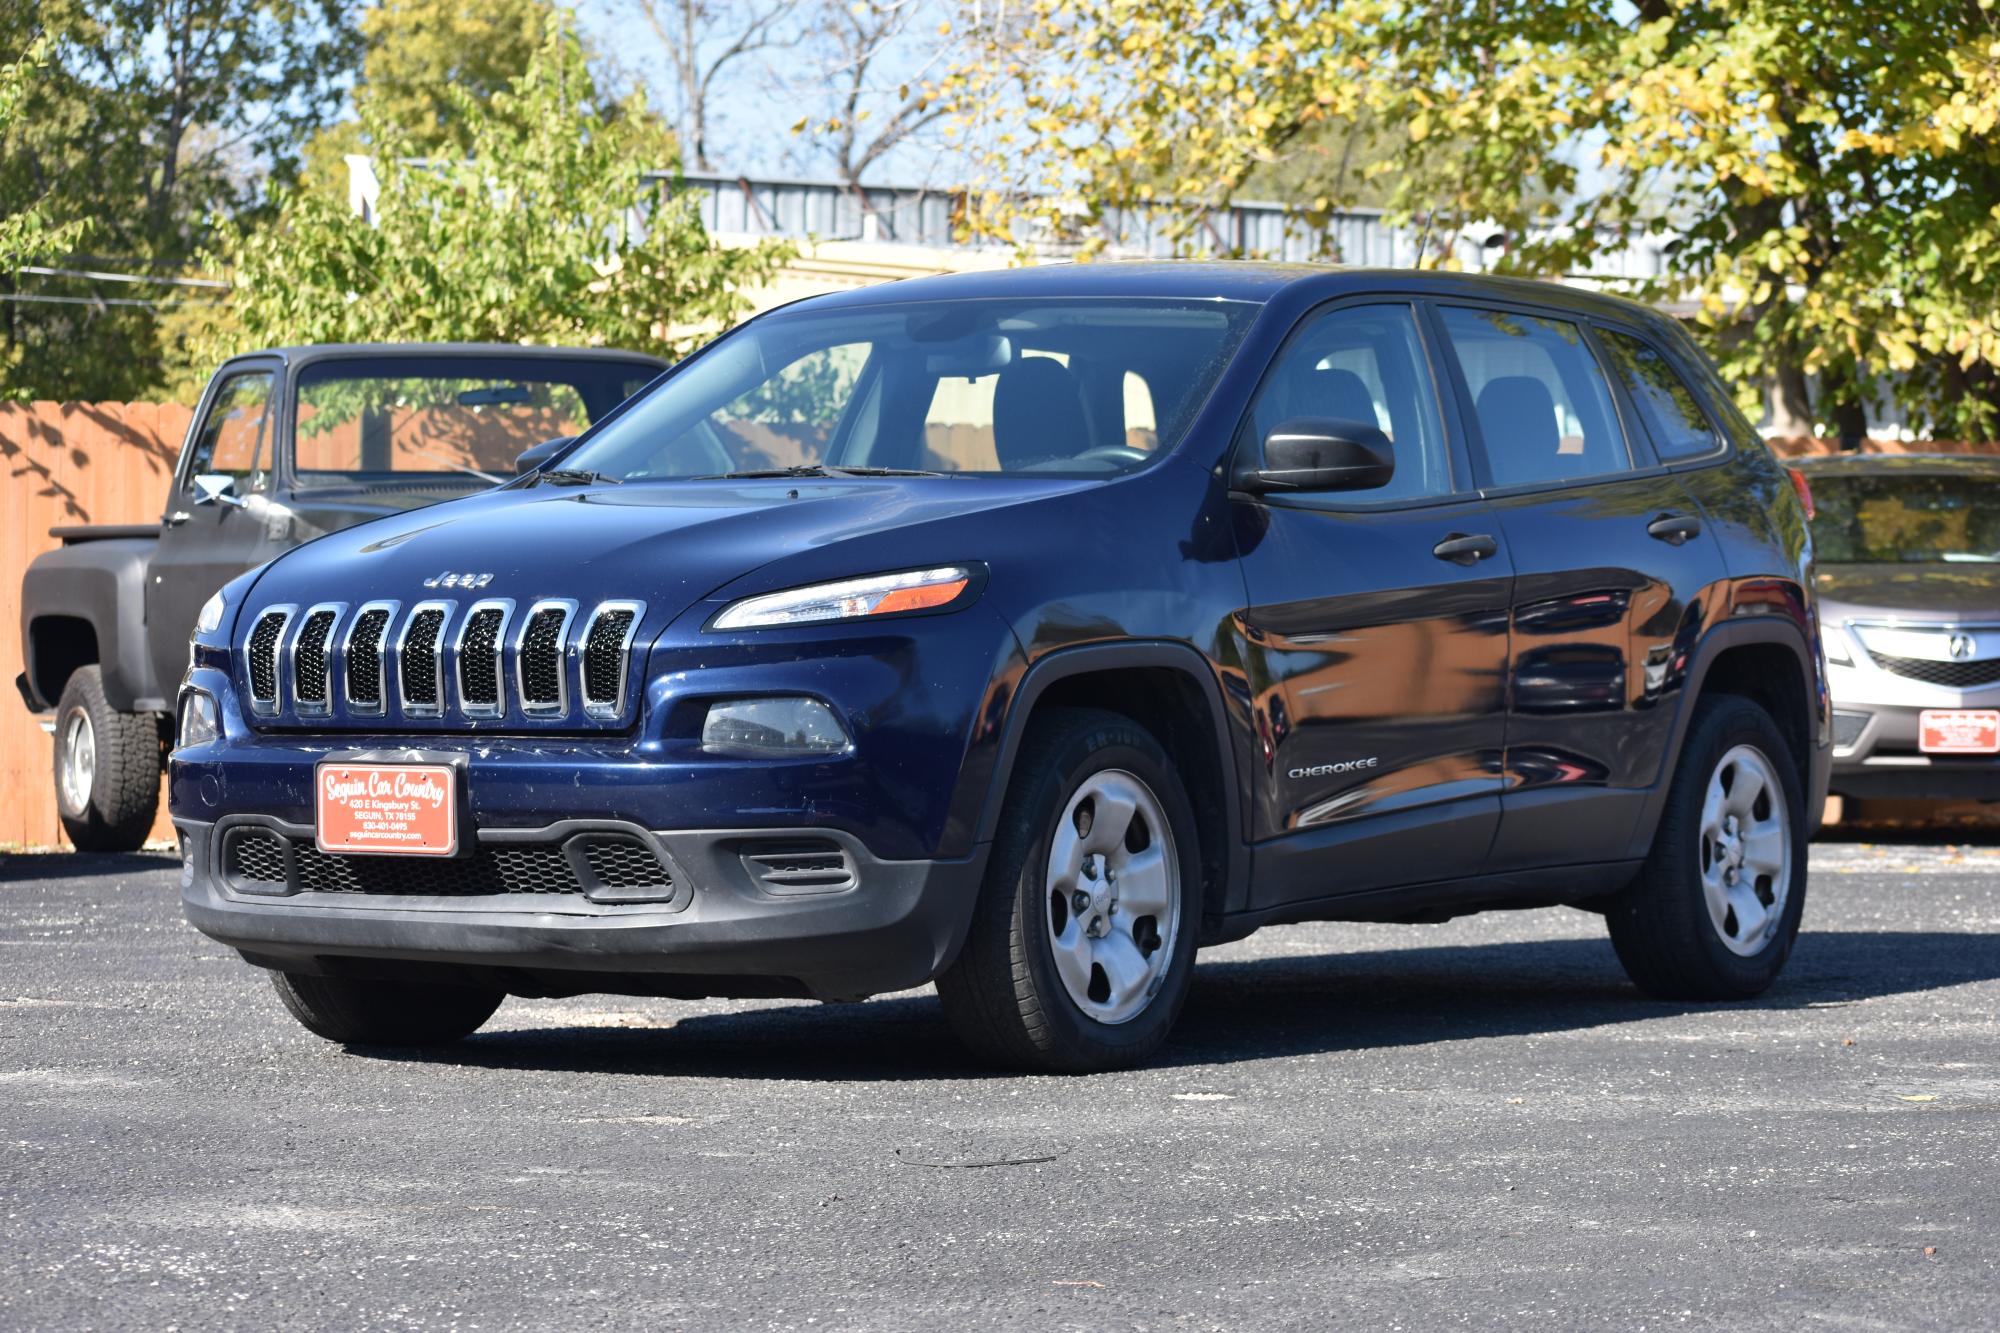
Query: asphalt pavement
{"x": 1476, "y": 1124}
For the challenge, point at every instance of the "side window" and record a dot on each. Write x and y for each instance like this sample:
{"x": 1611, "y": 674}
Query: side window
{"x": 1543, "y": 408}
{"x": 1364, "y": 363}
{"x": 1669, "y": 408}
{"x": 232, "y": 436}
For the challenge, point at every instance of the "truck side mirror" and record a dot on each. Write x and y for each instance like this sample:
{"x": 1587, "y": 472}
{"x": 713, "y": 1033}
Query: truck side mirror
{"x": 530, "y": 459}
{"x": 1317, "y": 454}
{"x": 215, "y": 488}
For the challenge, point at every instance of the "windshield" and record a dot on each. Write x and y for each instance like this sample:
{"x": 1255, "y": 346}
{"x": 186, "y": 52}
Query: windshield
{"x": 1890, "y": 519}
{"x": 390, "y": 417}
{"x": 979, "y": 387}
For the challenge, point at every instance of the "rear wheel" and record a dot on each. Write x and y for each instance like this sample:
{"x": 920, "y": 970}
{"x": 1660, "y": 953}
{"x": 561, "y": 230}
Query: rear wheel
{"x": 1082, "y": 942}
{"x": 1714, "y": 914}
{"x": 385, "y": 1013}
{"x": 107, "y": 768}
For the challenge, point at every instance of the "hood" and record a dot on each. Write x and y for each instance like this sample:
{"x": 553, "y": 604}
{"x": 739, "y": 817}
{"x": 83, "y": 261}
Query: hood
{"x": 666, "y": 544}
{"x": 1943, "y": 593}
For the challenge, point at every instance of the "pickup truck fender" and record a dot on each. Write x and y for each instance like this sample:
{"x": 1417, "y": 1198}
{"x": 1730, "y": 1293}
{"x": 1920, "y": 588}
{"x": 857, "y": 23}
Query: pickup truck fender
{"x": 83, "y": 603}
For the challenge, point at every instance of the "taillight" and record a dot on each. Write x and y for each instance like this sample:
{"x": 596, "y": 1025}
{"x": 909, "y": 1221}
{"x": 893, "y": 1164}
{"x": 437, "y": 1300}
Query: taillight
{"x": 1804, "y": 488}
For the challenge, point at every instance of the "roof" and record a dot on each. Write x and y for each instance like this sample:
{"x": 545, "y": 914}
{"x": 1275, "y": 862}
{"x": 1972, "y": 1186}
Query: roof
{"x": 1889, "y": 464}
{"x": 305, "y": 352}
{"x": 1228, "y": 280}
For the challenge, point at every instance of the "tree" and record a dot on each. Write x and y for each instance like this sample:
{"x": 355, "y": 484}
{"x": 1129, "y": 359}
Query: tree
{"x": 704, "y": 43}
{"x": 875, "y": 77}
{"x": 152, "y": 120}
{"x": 545, "y": 231}
{"x": 27, "y": 231}
{"x": 1830, "y": 170}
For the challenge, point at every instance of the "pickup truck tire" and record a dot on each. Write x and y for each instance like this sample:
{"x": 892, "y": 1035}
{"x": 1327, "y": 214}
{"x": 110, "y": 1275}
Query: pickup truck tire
{"x": 107, "y": 768}
{"x": 1067, "y": 967}
{"x": 385, "y": 1013}
{"x": 1714, "y": 913}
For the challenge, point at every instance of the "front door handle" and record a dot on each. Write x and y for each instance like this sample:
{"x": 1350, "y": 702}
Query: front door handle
{"x": 1674, "y": 529}
{"x": 1465, "y": 549}
{"x": 178, "y": 517}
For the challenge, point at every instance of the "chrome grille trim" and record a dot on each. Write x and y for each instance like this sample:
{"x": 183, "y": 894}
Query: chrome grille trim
{"x": 498, "y": 706}
{"x": 434, "y": 708}
{"x": 613, "y": 707}
{"x": 267, "y": 703}
{"x": 381, "y": 646}
{"x": 320, "y": 704}
{"x": 560, "y": 705}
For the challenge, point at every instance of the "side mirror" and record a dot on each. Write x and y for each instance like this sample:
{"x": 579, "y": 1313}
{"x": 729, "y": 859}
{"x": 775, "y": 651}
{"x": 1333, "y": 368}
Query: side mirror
{"x": 216, "y": 488}
{"x": 530, "y": 459}
{"x": 1317, "y": 454}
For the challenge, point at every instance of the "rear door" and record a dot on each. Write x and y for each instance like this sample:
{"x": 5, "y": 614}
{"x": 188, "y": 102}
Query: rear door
{"x": 1612, "y": 562}
{"x": 203, "y": 546}
{"x": 1376, "y": 660}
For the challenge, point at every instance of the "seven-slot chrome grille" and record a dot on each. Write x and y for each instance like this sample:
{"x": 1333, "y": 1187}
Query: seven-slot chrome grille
{"x": 547, "y": 660}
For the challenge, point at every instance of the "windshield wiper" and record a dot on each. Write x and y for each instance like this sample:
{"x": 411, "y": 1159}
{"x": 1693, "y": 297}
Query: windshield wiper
{"x": 821, "y": 470}
{"x": 568, "y": 476}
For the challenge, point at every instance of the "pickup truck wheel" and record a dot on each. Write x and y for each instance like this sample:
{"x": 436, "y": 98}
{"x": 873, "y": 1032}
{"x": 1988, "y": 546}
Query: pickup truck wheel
{"x": 1082, "y": 942}
{"x": 107, "y": 768}
{"x": 1715, "y": 911}
{"x": 385, "y": 1013}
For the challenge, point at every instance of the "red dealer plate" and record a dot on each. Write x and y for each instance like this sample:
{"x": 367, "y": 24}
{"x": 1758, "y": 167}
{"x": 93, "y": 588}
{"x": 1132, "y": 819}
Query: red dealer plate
{"x": 1959, "y": 731}
{"x": 406, "y": 809}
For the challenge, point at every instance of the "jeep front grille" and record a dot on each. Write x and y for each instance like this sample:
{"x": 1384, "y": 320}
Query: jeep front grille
{"x": 553, "y": 661}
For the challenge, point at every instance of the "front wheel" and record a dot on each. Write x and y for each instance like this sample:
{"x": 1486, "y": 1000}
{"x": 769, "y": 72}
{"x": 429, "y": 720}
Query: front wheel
{"x": 1714, "y": 914}
{"x": 1082, "y": 942}
{"x": 107, "y": 768}
{"x": 385, "y": 1013}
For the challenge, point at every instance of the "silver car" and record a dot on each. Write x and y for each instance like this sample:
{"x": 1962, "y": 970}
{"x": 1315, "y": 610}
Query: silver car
{"x": 1909, "y": 582}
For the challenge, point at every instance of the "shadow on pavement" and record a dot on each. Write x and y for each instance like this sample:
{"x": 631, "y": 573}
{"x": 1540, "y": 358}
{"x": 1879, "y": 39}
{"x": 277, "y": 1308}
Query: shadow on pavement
{"x": 17, "y": 866}
{"x": 1249, "y": 1010}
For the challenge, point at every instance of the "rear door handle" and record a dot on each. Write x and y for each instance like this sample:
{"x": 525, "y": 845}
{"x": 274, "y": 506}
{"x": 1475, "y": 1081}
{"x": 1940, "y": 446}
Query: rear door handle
{"x": 1465, "y": 549}
{"x": 1674, "y": 529}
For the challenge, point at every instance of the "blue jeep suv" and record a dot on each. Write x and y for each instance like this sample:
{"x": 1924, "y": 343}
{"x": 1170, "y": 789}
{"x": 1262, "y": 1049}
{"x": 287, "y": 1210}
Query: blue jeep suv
{"x": 1024, "y": 632}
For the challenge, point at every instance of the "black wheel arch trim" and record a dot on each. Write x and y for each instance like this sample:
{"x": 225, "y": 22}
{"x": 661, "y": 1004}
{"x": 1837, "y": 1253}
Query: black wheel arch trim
{"x": 1750, "y": 631}
{"x": 1124, "y": 655}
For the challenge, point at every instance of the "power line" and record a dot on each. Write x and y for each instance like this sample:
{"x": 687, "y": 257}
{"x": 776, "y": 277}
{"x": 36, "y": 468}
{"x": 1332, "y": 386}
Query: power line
{"x": 95, "y": 275}
{"x": 26, "y": 299}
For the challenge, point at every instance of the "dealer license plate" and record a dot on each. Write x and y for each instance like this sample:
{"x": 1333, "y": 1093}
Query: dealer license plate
{"x": 403, "y": 809}
{"x": 1959, "y": 731}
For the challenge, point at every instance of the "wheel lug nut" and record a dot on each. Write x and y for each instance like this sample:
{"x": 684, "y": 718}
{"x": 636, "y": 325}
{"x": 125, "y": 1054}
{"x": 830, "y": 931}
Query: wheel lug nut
{"x": 1079, "y": 902}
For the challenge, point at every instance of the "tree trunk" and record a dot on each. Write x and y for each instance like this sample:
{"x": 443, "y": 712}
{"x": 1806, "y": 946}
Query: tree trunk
{"x": 1790, "y": 401}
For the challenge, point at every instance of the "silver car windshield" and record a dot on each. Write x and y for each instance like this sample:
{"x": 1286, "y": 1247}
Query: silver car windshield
{"x": 976, "y": 388}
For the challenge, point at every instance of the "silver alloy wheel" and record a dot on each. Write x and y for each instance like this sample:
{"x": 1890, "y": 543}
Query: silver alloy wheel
{"x": 79, "y": 768}
{"x": 1746, "y": 850}
{"x": 1113, "y": 902}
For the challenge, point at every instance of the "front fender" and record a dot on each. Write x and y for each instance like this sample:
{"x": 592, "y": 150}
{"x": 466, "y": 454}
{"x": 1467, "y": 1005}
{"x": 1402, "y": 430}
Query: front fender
{"x": 103, "y": 584}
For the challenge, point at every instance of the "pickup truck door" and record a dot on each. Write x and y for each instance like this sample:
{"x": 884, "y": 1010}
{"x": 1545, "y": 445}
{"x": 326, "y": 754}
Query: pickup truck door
{"x": 203, "y": 546}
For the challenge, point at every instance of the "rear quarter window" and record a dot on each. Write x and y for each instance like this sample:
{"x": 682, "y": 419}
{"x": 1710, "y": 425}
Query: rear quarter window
{"x": 1668, "y": 407}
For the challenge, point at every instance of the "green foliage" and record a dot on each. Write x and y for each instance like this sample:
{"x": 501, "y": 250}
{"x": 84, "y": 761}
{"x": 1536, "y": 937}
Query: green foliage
{"x": 150, "y": 120}
{"x": 28, "y": 234}
{"x": 529, "y": 237}
{"x": 1834, "y": 170}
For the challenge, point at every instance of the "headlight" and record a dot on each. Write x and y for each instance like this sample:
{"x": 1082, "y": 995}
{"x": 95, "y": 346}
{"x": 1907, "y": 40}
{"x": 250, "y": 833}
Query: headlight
{"x": 200, "y": 722}
{"x": 1837, "y": 651}
{"x": 210, "y": 619}
{"x": 773, "y": 729}
{"x": 848, "y": 599}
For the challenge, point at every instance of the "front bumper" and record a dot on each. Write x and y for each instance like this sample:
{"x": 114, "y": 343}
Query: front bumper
{"x": 888, "y": 926}
{"x": 1876, "y": 733}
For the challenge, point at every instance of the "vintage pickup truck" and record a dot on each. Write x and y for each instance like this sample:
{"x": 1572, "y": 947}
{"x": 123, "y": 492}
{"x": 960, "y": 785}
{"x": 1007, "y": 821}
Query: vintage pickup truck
{"x": 285, "y": 446}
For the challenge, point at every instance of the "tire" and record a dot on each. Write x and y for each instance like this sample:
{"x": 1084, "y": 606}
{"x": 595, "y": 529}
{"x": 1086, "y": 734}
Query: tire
{"x": 107, "y": 768}
{"x": 1688, "y": 929}
{"x": 385, "y": 1013}
{"x": 1125, "y": 970}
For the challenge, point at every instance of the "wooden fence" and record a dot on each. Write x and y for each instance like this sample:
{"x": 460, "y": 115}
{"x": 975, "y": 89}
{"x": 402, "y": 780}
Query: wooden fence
{"x": 65, "y": 463}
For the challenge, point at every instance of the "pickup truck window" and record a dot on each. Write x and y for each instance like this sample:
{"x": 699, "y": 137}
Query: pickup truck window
{"x": 386, "y": 417}
{"x": 231, "y": 438}
{"x": 1076, "y": 387}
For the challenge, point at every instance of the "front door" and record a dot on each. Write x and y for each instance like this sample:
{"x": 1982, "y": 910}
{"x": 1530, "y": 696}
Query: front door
{"x": 203, "y": 546}
{"x": 1611, "y": 564}
{"x": 1375, "y": 633}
